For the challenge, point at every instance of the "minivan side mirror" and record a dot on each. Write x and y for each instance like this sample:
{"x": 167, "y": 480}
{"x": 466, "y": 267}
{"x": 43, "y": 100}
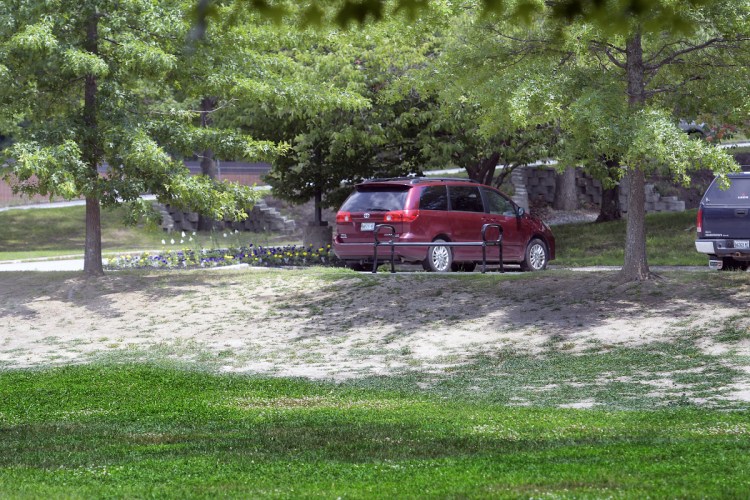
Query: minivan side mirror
{"x": 521, "y": 211}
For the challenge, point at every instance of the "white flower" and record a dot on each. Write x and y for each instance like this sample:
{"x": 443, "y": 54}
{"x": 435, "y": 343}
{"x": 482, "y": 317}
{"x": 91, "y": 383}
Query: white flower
{"x": 193, "y": 233}
{"x": 225, "y": 235}
{"x": 163, "y": 242}
{"x": 191, "y": 239}
{"x": 171, "y": 241}
{"x": 182, "y": 241}
{"x": 236, "y": 231}
{"x": 183, "y": 234}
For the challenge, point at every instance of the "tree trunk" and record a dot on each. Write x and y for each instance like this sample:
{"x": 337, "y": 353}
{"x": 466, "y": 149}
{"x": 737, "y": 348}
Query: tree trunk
{"x": 208, "y": 163}
{"x": 566, "y": 193}
{"x": 318, "y": 217}
{"x": 610, "y": 206}
{"x": 635, "y": 267}
{"x": 92, "y": 258}
{"x": 609, "y": 209}
{"x": 484, "y": 170}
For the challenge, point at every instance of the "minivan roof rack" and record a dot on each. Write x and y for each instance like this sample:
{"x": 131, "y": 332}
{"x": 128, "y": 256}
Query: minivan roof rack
{"x": 417, "y": 180}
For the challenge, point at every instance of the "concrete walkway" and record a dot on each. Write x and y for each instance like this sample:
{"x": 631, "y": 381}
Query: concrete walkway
{"x": 43, "y": 265}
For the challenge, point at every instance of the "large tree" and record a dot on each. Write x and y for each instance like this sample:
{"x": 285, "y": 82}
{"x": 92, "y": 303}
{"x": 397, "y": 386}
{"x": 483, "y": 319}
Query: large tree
{"x": 87, "y": 84}
{"x": 613, "y": 88}
{"x": 372, "y": 128}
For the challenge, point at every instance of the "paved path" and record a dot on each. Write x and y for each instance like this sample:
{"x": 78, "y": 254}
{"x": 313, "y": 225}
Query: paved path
{"x": 43, "y": 265}
{"x": 77, "y": 265}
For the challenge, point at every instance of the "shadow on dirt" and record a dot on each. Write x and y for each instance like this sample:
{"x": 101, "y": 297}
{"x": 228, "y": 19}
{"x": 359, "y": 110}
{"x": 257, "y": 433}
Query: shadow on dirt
{"x": 331, "y": 302}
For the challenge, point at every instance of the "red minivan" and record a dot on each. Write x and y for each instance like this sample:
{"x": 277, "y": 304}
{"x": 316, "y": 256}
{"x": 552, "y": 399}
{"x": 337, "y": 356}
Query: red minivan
{"x": 424, "y": 209}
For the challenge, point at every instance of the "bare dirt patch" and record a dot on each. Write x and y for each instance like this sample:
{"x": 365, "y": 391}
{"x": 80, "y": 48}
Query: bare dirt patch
{"x": 339, "y": 325}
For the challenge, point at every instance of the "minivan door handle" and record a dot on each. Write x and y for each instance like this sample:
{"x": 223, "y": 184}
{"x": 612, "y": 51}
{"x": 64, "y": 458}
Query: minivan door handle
{"x": 740, "y": 212}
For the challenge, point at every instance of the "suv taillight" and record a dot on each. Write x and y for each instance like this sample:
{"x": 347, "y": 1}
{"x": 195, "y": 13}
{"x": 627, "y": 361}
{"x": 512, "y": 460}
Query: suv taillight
{"x": 699, "y": 221}
{"x": 401, "y": 216}
{"x": 343, "y": 217}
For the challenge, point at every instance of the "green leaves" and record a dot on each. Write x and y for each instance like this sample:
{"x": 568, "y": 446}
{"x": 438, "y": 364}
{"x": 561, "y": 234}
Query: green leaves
{"x": 658, "y": 144}
{"x": 80, "y": 63}
{"x": 145, "y": 59}
{"x": 55, "y": 170}
{"x": 34, "y": 38}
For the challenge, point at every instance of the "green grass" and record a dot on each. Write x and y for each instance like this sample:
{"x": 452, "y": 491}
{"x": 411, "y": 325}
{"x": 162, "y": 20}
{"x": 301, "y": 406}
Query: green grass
{"x": 670, "y": 241}
{"x": 664, "y": 421}
{"x": 146, "y": 431}
{"x": 59, "y": 232}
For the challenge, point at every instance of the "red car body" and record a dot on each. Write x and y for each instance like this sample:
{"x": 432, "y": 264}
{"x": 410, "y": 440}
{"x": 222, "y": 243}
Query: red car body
{"x": 428, "y": 210}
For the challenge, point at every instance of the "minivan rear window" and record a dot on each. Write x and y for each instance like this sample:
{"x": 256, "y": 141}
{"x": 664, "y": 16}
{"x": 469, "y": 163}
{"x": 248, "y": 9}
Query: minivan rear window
{"x": 374, "y": 199}
{"x": 737, "y": 194}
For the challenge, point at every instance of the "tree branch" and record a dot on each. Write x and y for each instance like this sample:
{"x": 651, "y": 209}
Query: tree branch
{"x": 671, "y": 88}
{"x": 608, "y": 50}
{"x": 687, "y": 50}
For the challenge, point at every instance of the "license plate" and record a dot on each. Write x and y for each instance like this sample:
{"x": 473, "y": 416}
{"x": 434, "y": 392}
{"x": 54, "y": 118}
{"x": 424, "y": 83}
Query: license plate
{"x": 367, "y": 226}
{"x": 741, "y": 243}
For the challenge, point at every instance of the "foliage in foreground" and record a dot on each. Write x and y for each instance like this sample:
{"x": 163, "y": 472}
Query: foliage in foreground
{"x": 136, "y": 431}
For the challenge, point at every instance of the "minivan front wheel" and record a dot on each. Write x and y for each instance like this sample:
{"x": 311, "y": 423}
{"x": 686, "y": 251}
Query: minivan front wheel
{"x": 536, "y": 257}
{"x": 439, "y": 258}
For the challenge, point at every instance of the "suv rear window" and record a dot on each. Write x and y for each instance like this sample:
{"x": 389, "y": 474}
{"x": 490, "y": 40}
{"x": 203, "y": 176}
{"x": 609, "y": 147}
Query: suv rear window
{"x": 376, "y": 199}
{"x": 737, "y": 194}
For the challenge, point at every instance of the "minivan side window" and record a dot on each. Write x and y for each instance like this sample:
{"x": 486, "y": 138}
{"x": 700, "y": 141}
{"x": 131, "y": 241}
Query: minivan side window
{"x": 433, "y": 198}
{"x": 498, "y": 204}
{"x": 465, "y": 199}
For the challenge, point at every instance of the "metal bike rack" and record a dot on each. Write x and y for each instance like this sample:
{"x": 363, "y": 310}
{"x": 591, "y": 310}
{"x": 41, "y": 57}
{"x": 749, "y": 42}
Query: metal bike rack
{"x": 484, "y": 244}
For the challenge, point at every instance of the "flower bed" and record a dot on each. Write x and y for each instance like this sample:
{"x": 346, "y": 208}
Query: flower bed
{"x": 291, "y": 255}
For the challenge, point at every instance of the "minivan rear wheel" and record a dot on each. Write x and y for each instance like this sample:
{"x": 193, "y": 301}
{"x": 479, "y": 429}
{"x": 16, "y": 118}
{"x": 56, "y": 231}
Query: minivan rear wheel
{"x": 464, "y": 267}
{"x": 535, "y": 257}
{"x": 439, "y": 258}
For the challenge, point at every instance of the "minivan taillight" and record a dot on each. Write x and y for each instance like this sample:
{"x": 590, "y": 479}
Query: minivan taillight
{"x": 343, "y": 217}
{"x": 401, "y": 216}
{"x": 699, "y": 221}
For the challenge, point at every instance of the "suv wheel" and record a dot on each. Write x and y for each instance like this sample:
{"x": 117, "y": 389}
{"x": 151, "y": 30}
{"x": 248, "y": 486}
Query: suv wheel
{"x": 731, "y": 264}
{"x": 535, "y": 257}
{"x": 439, "y": 258}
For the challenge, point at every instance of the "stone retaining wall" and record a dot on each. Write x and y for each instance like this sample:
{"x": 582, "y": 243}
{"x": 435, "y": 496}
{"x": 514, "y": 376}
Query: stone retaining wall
{"x": 537, "y": 184}
{"x": 261, "y": 218}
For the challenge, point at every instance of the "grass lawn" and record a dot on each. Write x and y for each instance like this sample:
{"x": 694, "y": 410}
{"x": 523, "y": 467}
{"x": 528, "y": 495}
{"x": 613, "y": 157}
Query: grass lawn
{"x": 137, "y": 419}
{"x": 58, "y": 232}
{"x": 670, "y": 241}
{"x": 505, "y": 424}
{"x": 144, "y": 431}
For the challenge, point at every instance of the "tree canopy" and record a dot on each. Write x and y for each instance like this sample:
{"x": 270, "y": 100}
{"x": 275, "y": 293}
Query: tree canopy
{"x": 616, "y": 95}
{"x": 90, "y": 84}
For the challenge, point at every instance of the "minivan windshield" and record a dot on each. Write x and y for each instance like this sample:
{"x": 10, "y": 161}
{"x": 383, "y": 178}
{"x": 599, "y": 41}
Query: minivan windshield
{"x": 737, "y": 194}
{"x": 375, "y": 199}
